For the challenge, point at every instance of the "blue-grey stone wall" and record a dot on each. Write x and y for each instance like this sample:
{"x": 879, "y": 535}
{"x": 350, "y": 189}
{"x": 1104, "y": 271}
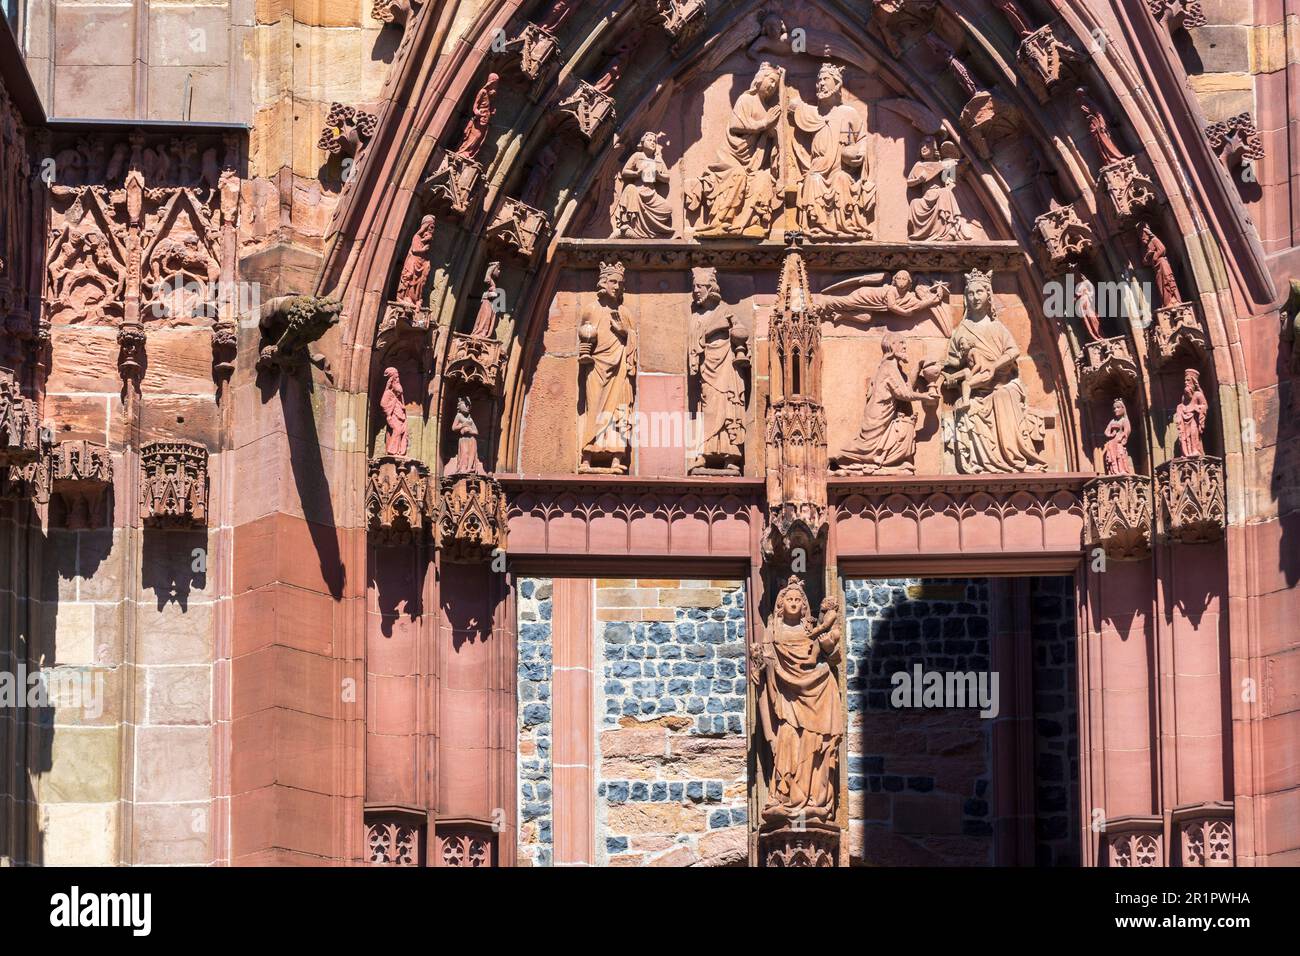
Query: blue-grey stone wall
{"x": 533, "y": 600}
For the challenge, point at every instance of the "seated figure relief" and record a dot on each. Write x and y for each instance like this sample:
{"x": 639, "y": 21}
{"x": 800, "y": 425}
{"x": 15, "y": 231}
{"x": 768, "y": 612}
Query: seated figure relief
{"x": 641, "y": 209}
{"x": 934, "y": 215}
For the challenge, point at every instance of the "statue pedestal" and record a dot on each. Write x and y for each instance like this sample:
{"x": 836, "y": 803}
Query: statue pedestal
{"x": 1119, "y": 516}
{"x": 816, "y": 844}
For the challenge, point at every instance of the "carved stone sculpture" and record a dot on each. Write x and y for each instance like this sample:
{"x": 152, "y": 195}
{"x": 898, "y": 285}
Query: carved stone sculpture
{"x": 397, "y": 500}
{"x": 992, "y": 429}
{"x": 1156, "y": 257}
{"x": 1204, "y": 834}
{"x": 1106, "y": 367}
{"x": 489, "y": 307}
{"x": 467, "y": 460}
{"x": 454, "y": 184}
{"x": 607, "y": 360}
{"x": 886, "y": 444}
{"x": 1047, "y": 61}
{"x": 718, "y": 361}
{"x": 1131, "y": 191}
{"x": 19, "y": 431}
{"x": 878, "y": 294}
{"x": 540, "y": 173}
{"x": 641, "y": 209}
{"x": 471, "y": 518}
{"x": 518, "y": 228}
{"x": 1179, "y": 14}
{"x": 682, "y": 20}
{"x": 902, "y": 20}
{"x": 131, "y": 352}
{"x": 476, "y": 128}
{"x": 80, "y": 474}
{"x": 1134, "y": 842}
{"x": 174, "y": 484}
{"x": 800, "y": 714}
{"x": 290, "y": 324}
{"x": 985, "y": 118}
{"x": 225, "y": 345}
{"x": 1115, "y": 456}
{"x": 475, "y": 362}
{"x": 395, "y": 12}
{"x": 1107, "y": 149}
{"x": 1238, "y": 141}
{"x": 415, "y": 268}
{"x": 393, "y": 406}
{"x": 934, "y": 215}
{"x": 1191, "y": 491}
{"x": 347, "y": 130}
{"x": 837, "y": 197}
{"x": 1190, "y": 416}
{"x": 1119, "y": 516}
{"x": 737, "y": 194}
{"x": 1085, "y": 303}
{"x": 1064, "y": 236}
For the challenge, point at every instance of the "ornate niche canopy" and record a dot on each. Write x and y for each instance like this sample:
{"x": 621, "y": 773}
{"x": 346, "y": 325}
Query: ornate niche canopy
{"x": 471, "y": 518}
{"x": 1119, "y": 516}
{"x": 19, "y": 432}
{"x": 1107, "y": 367}
{"x": 1191, "y": 493}
{"x": 81, "y": 477}
{"x": 1203, "y": 833}
{"x": 1134, "y": 841}
{"x": 174, "y": 484}
{"x": 397, "y": 500}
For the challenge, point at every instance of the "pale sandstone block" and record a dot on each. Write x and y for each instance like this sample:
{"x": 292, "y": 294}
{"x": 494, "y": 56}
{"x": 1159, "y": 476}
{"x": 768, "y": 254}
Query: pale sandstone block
{"x": 690, "y": 597}
{"x": 173, "y": 763}
{"x": 179, "y": 695}
{"x": 79, "y": 834}
{"x": 175, "y": 636}
{"x": 172, "y": 834}
{"x": 83, "y": 766}
{"x": 633, "y": 818}
{"x": 74, "y": 633}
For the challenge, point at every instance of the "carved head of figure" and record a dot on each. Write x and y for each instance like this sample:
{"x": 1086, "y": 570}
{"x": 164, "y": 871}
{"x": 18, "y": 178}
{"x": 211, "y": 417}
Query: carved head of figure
{"x": 427, "y": 225}
{"x": 979, "y": 295}
{"x": 704, "y": 286}
{"x": 792, "y": 602}
{"x": 766, "y": 81}
{"x": 393, "y": 381}
{"x": 895, "y": 346}
{"x": 1191, "y": 382}
{"x": 830, "y": 81}
{"x": 929, "y": 149}
{"x": 610, "y": 285}
{"x": 462, "y": 405}
{"x": 649, "y": 143}
{"x": 1120, "y": 409}
{"x": 772, "y": 26}
{"x": 903, "y": 280}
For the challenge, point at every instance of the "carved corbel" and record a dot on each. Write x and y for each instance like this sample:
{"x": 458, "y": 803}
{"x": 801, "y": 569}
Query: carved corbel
{"x": 464, "y": 843}
{"x": 1106, "y": 367}
{"x": 475, "y": 362}
{"x": 1047, "y": 62}
{"x": 81, "y": 472}
{"x": 814, "y": 845}
{"x": 290, "y": 324}
{"x": 20, "y": 440}
{"x": 1191, "y": 493}
{"x": 174, "y": 484}
{"x": 1203, "y": 833}
{"x": 1134, "y": 841}
{"x": 1179, "y": 14}
{"x": 1119, "y": 516}
{"x": 519, "y": 228}
{"x": 1065, "y": 237}
{"x": 398, "y": 502}
{"x": 1175, "y": 333}
{"x": 1131, "y": 191}
{"x": 682, "y": 20}
{"x": 1238, "y": 144}
{"x": 589, "y": 111}
{"x": 225, "y": 347}
{"x": 347, "y": 130}
{"x": 396, "y": 13}
{"x": 454, "y": 184}
{"x": 471, "y": 518}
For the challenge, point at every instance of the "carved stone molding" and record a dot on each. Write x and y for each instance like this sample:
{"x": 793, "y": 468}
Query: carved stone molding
{"x": 454, "y": 184}
{"x": 519, "y": 228}
{"x": 347, "y": 129}
{"x": 1134, "y": 842}
{"x": 682, "y": 20}
{"x": 19, "y": 432}
{"x": 80, "y": 474}
{"x": 395, "y": 839}
{"x": 475, "y": 362}
{"x": 812, "y": 846}
{"x": 1120, "y": 517}
{"x": 397, "y": 500}
{"x": 590, "y": 111}
{"x": 472, "y": 520}
{"x": 469, "y": 845}
{"x": 1203, "y": 834}
{"x": 1238, "y": 142}
{"x": 1191, "y": 495}
{"x": 1179, "y": 14}
{"x": 174, "y": 484}
{"x": 1176, "y": 333}
{"x": 1064, "y": 236}
{"x": 1131, "y": 191}
{"x": 289, "y": 326}
{"x": 1047, "y": 61}
{"x": 1107, "y": 368}
{"x": 902, "y": 22}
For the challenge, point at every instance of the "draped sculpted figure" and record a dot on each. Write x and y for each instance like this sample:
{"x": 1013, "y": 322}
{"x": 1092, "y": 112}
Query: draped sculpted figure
{"x": 641, "y": 209}
{"x": 799, "y": 708}
{"x": 1116, "y": 457}
{"x": 607, "y": 360}
{"x": 393, "y": 404}
{"x": 719, "y": 354}
{"x": 934, "y": 214}
{"x": 837, "y": 198}
{"x": 867, "y": 295}
{"x": 1190, "y": 415}
{"x": 992, "y": 428}
{"x": 737, "y": 195}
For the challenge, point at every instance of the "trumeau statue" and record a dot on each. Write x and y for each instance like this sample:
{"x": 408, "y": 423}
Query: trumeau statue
{"x": 934, "y": 215}
{"x": 737, "y": 194}
{"x": 1115, "y": 456}
{"x": 641, "y": 210}
{"x": 886, "y": 445}
{"x": 1190, "y": 415}
{"x": 800, "y": 713}
{"x": 718, "y": 357}
{"x": 607, "y": 360}
{"x": 992, "y": 429}
{"x": 837, "y": 198}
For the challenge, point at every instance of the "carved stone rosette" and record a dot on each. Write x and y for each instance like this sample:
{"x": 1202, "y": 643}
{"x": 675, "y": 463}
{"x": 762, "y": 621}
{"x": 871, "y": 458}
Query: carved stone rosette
{"x": 813, "y": 846}
{"x": 1119, "y": 516}
{"x": 1047, "y": 61}
{"x": 347, "y": 130}
{"x": 471, "y": 518}
{"x": 464, "y": 846}
{"x": 902, "y": 20}
{"x": 1175, "y": 333}
{"x": 1064, "y": 236}
{"x": 1107, "y": 368}
{"x": 1191, "y": 495}
{"x": 397, "y": 500}
{"x": 174, "y": 484}
{"x": 80, "y": 473}
{"x": 19, "y": 433}
{"x": 454, "y": 184}
{"x": 1134, "y": 842}
{"x": 1237, "y": 141}
{"x": 590, "y": 111}
{"x": 519, "y": 228}
{"x": 1131, "y": 191}
{"x": 1203, "y": 834}
{"x": 475, "y": 362}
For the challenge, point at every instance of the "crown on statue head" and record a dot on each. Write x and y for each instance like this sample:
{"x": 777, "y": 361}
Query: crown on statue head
{"x": 612, "y": 270}
{"x": 704, "y": 274}
{"x": 833, "y": 70}
{"x": 976, "y": 278}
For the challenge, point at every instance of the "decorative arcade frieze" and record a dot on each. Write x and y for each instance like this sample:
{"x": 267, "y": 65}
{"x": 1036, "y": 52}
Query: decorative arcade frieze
{"x": 1134, "y": 841}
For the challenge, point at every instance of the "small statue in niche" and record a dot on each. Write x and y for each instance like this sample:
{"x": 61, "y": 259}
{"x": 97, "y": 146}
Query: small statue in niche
{"x": 992, "y": 429}
{"x": 462, "y": 426}
{"x": 799, "y": 707}
{"x": 485, "y": 323}
{"x": 1107, "y": 149}
{"x": 1156, "y": 256}
{"x": 934, "y": 215}
{"x": 737, "y": 195}
{"x": 539, "y": 176}
{"x": 887, "y": 442}
{"x": 837, "y": 198}
{"x": 607, "y": 360}
{"x": 476, "y": 129}
{"x": 1115, "y": 455}
{"x": 640, "y": 210}
{"x": 618, "y": 62}
{"x": 867, "y": 295}
{"x": 415, "y": 270}
{"x": 772, "y": 36}
{"x": 1085, "y": 305}
{"x": 1190, "y": 416}
{"x": 719, "y": 354}
{"x": 393, "y": 405}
